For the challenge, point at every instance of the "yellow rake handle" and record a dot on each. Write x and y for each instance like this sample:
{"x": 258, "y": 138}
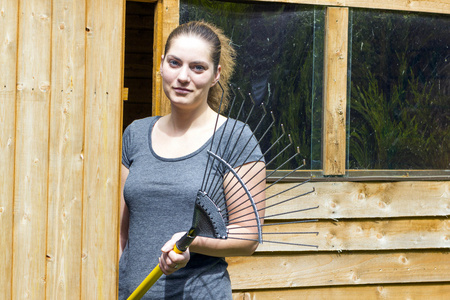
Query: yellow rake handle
{"x": 154, "y": 275}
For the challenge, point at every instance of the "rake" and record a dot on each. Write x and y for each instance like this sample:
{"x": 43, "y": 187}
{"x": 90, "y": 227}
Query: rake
{"x": 214, "y": 216}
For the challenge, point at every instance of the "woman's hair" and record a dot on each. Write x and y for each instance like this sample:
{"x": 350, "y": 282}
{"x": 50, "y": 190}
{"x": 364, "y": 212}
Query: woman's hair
{"x": 222, "y": 53}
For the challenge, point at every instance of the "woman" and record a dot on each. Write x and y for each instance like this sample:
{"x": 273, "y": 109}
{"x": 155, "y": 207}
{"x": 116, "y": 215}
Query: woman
{"x": 164, "y": 160}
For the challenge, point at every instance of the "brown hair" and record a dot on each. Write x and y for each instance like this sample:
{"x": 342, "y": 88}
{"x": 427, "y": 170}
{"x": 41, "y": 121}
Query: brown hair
{"x": 222, "y": 53}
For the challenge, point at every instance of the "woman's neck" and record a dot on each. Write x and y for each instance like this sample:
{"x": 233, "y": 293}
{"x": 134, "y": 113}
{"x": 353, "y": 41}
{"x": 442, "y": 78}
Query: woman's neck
{"x": 180, "y": 120}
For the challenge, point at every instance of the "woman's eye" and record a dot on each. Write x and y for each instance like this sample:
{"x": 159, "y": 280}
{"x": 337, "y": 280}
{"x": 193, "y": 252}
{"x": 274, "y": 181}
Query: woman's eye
{"x": 174, "y": 63}
{"x": 199, "y": 68}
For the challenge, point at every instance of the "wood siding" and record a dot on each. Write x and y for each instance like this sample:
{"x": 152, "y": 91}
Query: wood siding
{"x": 60, "y": 141}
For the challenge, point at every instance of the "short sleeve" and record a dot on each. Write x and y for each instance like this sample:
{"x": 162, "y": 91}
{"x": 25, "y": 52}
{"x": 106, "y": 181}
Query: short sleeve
{"x": 126, "y": 146}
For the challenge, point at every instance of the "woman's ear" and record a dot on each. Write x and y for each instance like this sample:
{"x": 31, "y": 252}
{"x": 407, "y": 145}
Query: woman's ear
{"x": 217, "y": 76}
{"x": 161, "y": 65}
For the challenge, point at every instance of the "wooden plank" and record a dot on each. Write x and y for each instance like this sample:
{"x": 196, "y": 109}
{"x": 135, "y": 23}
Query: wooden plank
{"x": 340, "y": 200}
{"x": 66, "y": 148}
{"x": 335, "y": 91}
{"x": 371, "y": 292}
{"x": 433, "y": 6}
{"x": 8, "y": 60}
{"x": 31, "y": 164}
{"x": 356, "y": 268}
{"x": 360, "y": 235}
{"x": 103, "y": 122}
{"x": 167, "y": 16}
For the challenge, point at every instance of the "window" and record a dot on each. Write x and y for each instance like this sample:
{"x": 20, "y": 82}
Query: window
{"x": 280, "y": 60}
{"x": 399, "y": 92}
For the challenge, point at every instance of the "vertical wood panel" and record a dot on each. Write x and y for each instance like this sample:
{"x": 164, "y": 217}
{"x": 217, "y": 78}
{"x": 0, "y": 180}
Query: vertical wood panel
{"x": 167, "y": 16}
{"x": 8, "y": 57}
{"x": 104, "y": 65}
{"x": 66, "y": 147}
{"x": 31, "y": 166}
{"x": 335, "y": 91}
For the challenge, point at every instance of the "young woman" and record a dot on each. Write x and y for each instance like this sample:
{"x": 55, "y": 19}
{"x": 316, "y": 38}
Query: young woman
{"x": 164, "y": 160}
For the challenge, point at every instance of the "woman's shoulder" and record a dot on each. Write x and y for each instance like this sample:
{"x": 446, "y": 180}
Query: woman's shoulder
{"x": 141, "y": 124}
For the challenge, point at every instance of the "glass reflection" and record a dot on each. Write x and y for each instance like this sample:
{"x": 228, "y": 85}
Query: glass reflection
{"x": 400, "y": 90}
{"x": 280, "y": 53}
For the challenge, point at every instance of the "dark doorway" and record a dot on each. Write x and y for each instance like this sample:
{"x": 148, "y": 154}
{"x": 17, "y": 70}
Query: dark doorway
{"x": 139, "y": 30}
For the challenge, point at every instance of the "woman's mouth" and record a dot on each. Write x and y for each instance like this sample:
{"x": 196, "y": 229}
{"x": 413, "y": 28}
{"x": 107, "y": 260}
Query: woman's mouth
{"x": 181, "y": 90}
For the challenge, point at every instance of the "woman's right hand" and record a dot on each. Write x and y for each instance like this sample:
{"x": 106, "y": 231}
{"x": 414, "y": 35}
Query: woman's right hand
{"x": 170, "y": 261}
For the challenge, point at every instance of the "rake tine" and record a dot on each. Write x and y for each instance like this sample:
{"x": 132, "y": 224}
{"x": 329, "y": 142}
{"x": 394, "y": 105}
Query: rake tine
{"x": 275, "y": 242}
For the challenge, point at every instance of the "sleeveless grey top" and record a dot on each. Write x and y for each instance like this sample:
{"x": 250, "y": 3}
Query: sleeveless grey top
{"x": 160, "y": 195}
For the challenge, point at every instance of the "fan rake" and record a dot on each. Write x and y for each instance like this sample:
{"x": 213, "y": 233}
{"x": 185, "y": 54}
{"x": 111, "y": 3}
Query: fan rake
{"x": 215, "y": 216}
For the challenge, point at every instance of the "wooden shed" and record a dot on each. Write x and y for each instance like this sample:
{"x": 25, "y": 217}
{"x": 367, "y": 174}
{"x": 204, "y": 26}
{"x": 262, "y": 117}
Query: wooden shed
{"x": 67, "y": 70}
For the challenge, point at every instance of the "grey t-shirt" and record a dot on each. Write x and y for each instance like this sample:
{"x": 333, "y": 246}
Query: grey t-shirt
{"x": 160, "y": 195}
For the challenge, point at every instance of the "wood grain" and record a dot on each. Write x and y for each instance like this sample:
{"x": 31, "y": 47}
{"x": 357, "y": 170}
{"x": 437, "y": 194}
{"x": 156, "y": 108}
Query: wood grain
{"x": 342, "y": 200}
{"x": 360, "y": 235}
{"x": 166, "y": 19}
{"x": 335, "y": 91}
{"x": 31, "y": 153}
{"x": 103, "y": 114}
{"x": 356, "y": 268}
{"x": 8, "y": 60}
{"x": 66, "y": 151}
{"x": 433, "y": 6}
{"x": 371, "y": 292}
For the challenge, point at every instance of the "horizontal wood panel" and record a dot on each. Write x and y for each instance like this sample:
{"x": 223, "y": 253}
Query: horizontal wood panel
{"x": 372, "y": 292}
{"x": 360, "y": 235}
{"x": 363, "y": 199}
{"x": 436, "y": 6}
{"x": 325, "y": 269}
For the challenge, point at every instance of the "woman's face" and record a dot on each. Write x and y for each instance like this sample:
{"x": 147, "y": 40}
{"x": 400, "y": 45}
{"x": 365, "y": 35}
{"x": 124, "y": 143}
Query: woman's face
{"x": 188, "y": 71}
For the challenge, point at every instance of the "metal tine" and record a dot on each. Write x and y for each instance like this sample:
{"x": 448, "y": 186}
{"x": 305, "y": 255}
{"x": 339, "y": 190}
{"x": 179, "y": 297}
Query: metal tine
{"x": 240, "y": 154}
{"x": 275, "y": 224}
{"x": 277, "y": 194}
{"x": 275, "y": 182}
{"x": 262, "y": 156}
{"x": 278, "y": 180}
{"x": 254, "y": 163}
{"x": 214, "y": 183}
{"x": 278, "y": 203}
{"x": 223, "y": 132}
{"x": 260, "y": 139}
{"x": 232, "y": 222}
{"x": 276, "y": 156}
{"x": 276, "y": 242}
{"x": 280, "y": 166}
{"x": 217, "y": 186}
{"x": 267, "y": 151}
{"x": 214, "y": 134}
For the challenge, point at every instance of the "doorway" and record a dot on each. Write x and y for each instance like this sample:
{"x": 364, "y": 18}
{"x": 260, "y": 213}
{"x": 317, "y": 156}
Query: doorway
{"x": 138, "y": 67}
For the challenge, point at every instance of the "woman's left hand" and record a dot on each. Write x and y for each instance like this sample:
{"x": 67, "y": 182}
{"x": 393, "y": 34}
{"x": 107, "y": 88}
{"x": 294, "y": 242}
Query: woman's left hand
{"x": 170, "y": 261}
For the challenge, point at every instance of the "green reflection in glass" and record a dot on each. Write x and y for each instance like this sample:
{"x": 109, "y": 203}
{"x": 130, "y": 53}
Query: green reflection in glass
{"x": 400, "y": 90}
{"x": 280, "y": 61}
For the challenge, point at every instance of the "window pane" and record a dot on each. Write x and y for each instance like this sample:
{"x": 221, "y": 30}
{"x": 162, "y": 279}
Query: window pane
{"x": 280, "y": 47}
{"x": 399, "y": 91}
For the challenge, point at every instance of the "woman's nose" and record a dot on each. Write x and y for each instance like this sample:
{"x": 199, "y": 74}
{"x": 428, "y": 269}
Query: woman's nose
{"x": 183, "y": 76}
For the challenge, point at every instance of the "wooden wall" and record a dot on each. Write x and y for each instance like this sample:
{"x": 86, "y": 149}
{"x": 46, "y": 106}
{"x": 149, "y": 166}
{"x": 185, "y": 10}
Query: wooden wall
{"x": 60, "y": 139}
{"x": 377, "y": 240}
{"x": 61, "y": 122}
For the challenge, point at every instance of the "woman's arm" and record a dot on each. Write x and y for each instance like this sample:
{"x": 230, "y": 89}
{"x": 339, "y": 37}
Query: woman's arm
{"x": 124, "y": 214}
{"x": 246, "y": 226}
